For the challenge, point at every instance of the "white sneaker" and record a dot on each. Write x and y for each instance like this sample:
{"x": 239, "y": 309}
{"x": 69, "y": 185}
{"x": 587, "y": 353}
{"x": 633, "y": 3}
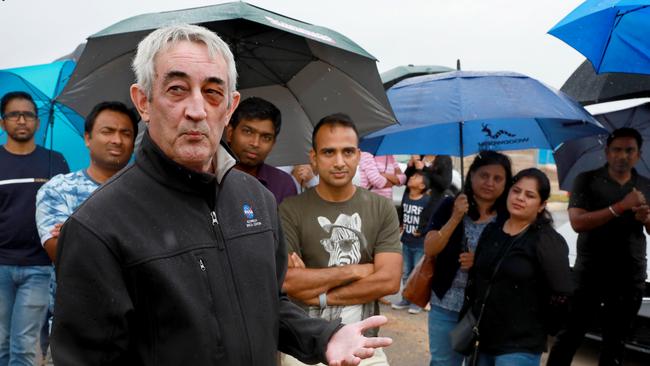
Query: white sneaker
{"x": 401, "y": 305}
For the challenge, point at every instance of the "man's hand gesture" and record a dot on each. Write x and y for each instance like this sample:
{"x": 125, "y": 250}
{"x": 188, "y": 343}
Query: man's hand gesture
{"x": 630, "y": 201}
{"x": 349, "y": 346}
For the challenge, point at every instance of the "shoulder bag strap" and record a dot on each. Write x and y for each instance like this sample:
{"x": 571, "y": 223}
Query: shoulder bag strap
{"x": 494, "y": 274}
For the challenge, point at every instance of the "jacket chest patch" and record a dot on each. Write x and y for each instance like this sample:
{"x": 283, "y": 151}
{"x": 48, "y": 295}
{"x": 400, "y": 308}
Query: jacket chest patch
{"x": 249, "y": 216}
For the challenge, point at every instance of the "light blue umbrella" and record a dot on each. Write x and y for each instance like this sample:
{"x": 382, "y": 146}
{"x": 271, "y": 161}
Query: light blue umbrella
{"x": 61, "y": 128}
{"x": 614, "y": 35}
{"x": 460, "y": 113}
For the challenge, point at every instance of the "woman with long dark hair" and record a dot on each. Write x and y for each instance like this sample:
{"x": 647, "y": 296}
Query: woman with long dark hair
{"x": 452, "y": 235}
{"x": 521, "y": 273}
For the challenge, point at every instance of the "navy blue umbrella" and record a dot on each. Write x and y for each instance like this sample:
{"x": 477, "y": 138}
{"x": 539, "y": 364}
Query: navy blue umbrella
{"x": 612, "y": 34}
{"x": 588, "y": 153}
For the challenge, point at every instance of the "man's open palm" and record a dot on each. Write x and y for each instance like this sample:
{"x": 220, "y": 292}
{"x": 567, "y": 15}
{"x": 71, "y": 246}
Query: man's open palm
{"x": 349, "y": 346}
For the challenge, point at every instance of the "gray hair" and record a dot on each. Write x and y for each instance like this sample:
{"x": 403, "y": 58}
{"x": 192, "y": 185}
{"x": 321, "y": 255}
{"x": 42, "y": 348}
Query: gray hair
{"x": 160, "y": 39}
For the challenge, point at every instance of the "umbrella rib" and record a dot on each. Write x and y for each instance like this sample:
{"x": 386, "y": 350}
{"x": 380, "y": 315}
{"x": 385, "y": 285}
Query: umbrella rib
{"x": 619, "y": 17}
{"x": 244, "y": 39}
{"x": 278, "y": 79}
{"x": 244, "y": 42}
{"x": 546, "y": 136}
{"x": 101, "y": 66}
{"x": 66, "y": 121}
{"x": 310, "y": 56}
{"x": 261, "y": 61}
{"x": 35, "y": 91}
{"x": 609, "y": 39}
{"x": 633, "y": 10}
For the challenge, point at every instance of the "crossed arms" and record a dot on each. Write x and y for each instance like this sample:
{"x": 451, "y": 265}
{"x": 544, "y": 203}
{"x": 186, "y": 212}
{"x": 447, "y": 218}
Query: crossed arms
{"x": 345, "y": 285}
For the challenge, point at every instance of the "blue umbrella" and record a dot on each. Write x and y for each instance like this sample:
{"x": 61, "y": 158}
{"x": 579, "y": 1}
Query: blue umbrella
{"x": 61, "y": 129}
{"x": 460, "y": 113}
{"x": 612, "y": 34}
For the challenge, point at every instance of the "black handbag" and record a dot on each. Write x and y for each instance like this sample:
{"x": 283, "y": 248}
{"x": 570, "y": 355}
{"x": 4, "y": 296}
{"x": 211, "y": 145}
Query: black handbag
{"x": 464, "y": 334}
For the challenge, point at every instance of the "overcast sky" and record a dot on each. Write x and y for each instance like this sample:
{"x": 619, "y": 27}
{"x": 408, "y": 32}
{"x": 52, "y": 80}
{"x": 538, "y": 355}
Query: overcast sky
{"x": 483, "y": 34}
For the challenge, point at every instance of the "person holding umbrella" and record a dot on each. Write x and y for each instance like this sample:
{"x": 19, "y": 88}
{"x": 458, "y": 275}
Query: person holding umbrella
{"x": 608, "y": 209}
{"x": 452, "y": 235}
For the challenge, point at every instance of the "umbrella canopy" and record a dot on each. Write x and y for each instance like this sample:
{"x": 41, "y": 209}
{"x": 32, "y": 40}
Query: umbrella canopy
{"x": 612, "y": 34}
{"x": 61, "y": 129}
{"x": 588, "y": 153}
{"x": 587, "y": 87}
{"x": 307, "y": 71}
{"x": 399, "y": 73}
{"x": 460, "y": 113}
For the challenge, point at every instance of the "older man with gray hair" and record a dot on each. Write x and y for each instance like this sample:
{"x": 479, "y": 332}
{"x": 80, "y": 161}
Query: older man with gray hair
{"x": 180, "y": 258}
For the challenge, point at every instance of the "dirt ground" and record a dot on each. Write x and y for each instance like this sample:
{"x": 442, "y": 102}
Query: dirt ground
{"x": 410, "y": 339}
{"x": 410, "y": 342}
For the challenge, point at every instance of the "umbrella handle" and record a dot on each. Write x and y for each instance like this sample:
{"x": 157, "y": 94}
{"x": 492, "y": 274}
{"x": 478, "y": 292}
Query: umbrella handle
{"x": 462, "y": 153}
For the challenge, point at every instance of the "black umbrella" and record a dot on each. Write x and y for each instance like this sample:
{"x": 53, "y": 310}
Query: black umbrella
{"x": 399, "y": 73}
{"x": 577, "y": 156}
{"x": 307, "y": 71}
{"x": 587, "y": 87}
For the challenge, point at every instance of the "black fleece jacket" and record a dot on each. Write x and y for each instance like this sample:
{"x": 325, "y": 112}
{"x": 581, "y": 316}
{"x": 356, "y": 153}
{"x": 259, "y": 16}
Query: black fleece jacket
{"x": 522, "y": 307}
{"x": 167, "y": 266}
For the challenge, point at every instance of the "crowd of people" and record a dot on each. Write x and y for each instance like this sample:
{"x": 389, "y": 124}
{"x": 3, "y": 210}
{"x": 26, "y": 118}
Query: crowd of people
{"x": 196, "y": 250}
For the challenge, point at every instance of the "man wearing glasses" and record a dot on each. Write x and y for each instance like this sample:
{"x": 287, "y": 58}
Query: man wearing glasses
{"x": 25, "y": 268}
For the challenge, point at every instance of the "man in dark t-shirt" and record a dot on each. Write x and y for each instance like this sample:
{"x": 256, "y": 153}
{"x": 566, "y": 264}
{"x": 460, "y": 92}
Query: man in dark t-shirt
{"x": 608, "y": 209}
{"x": 25, "y": 268}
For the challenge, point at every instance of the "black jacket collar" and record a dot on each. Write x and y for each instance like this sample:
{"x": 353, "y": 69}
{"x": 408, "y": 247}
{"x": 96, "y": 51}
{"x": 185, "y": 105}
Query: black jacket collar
{"x": 156, "y": 164}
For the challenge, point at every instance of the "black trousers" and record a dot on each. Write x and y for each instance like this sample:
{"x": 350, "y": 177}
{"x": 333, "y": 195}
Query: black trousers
{"x": 621, "y": 303}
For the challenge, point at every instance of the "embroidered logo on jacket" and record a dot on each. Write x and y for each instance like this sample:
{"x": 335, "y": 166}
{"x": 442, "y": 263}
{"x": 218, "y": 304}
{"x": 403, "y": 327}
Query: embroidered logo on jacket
{"x": 250, "y": 215}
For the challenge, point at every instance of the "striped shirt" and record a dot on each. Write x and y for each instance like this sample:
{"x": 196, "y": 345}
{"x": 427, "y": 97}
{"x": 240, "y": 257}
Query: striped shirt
{"x": 371, "y": 168}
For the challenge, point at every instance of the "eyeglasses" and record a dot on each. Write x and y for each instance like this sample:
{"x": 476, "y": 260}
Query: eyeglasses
{"x": 15, "y": 116}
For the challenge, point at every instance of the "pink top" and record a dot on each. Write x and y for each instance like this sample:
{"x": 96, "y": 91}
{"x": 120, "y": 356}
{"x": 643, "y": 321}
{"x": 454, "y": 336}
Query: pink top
{"x": 371, "y": 167}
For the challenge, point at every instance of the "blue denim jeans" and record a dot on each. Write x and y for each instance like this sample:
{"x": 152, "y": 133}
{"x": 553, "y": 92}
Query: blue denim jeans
{"x": 24, "y": 291}
{"x": 510, "y": 359}
{"x": 411, "y": 257}
{"x": 441, "y": 322}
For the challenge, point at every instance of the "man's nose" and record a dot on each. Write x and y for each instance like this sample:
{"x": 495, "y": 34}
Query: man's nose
{"x": 255, "y": 140}
{"x": 195, "y": 108}
{"x": 339, "y": 160}
{"x": 116, "y": 138}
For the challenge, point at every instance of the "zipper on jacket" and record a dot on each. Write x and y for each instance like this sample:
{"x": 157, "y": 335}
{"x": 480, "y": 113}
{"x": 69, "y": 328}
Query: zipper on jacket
{"x": 201, "y": 264}
{"x": 217, "y": 231}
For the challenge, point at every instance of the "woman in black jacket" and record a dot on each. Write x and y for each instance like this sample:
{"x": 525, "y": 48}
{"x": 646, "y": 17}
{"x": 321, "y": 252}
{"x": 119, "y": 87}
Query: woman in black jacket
{"x": 529, "y": 288}
{"x": 452, "y": 235}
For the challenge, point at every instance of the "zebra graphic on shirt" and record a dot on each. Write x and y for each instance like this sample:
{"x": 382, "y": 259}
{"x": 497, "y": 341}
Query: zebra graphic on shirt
{"x": 344, "y": 245}
{"x": 345, "y": 241}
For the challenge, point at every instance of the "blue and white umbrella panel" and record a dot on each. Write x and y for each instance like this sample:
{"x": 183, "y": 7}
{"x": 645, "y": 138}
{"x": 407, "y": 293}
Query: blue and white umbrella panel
{"x": 460, "y": 113}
